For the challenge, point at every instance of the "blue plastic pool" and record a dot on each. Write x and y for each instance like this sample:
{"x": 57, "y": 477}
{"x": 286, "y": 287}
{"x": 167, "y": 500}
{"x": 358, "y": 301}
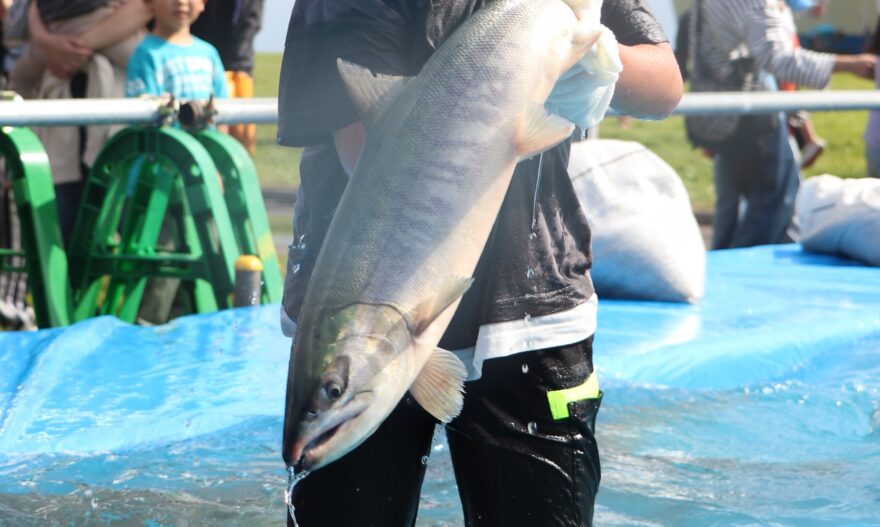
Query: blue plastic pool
{"x": 759, "y": 406}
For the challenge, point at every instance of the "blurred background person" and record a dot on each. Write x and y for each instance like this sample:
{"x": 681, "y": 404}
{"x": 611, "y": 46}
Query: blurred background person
{"x": 77, "y": 49}
{"x": 231, "y": 26}
{"x": 756, "y": 176}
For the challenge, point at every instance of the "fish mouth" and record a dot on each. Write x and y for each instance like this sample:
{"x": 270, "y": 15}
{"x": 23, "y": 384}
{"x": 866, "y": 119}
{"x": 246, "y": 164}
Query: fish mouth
{"x": 310, "y": 452}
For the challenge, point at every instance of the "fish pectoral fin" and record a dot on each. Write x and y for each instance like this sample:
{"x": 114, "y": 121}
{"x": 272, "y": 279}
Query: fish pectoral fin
{"x": 540, "y": 130}
{"x": 439, "y": 388}
{"x": 426, "y": 312}
{"x": 370, "y": 93}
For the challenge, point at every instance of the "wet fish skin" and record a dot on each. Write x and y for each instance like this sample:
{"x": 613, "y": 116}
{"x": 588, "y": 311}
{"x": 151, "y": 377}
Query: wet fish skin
{"x": 440, "y": 151}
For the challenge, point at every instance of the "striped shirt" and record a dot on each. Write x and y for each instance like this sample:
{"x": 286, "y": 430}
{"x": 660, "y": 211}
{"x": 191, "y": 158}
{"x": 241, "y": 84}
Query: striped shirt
{"x": 734, "y": 29}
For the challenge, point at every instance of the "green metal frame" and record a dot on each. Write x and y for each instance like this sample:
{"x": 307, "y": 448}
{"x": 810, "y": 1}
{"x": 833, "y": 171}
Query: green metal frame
{"x": 244, "y": 200}
{"x": 45, "y": 259}
{"x": 141, "y": 177}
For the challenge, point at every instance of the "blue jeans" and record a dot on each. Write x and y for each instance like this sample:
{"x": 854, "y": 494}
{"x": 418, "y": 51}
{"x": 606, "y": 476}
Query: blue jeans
{"x": 756, "y": 182}
{"x": 872, "y": 158}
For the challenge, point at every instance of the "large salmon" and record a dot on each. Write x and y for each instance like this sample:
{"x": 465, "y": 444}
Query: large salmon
{"x": 440, "y": 151}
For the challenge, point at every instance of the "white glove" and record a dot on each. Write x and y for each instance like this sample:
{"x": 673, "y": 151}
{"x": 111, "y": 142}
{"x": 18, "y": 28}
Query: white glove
{"x": 583, "y": 93}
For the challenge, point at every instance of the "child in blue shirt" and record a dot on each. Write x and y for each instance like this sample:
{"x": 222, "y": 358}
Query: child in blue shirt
{"x": 172, "y": 60}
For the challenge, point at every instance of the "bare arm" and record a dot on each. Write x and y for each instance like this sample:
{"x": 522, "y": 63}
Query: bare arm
{"x": 861, "y": 65}
{"x": 64, "y": 54}
{"x": 650, "y": 84}
{"x": 129, "y": 17}
{"x": 349, "y": 142}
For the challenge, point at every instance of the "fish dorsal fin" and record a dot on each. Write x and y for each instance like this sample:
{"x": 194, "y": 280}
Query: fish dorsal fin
{"x": 540, "y": 130}
{"x": 370, "y": 93}
{"x": 452, "y": 288}
{"x": 439, "y": 388}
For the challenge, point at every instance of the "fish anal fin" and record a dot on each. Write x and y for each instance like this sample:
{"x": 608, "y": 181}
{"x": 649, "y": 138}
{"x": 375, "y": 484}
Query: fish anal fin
{"x": 370, "y": 93}
{"x": 540, "y": 130}
{"x": 439, "y": 388}
{"x": 452, "y": 288}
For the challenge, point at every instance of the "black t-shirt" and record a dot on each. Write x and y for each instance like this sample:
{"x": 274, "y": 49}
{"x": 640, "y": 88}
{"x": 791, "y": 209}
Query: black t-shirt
{"x": 52, "y": 10}
{"x": 397, "y": 37}
{"x": 231, "y": 26}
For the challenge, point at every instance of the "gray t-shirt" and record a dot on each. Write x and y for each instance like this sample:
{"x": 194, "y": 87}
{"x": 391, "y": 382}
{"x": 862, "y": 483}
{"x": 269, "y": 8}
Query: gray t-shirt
{"x": 52, "y": 10}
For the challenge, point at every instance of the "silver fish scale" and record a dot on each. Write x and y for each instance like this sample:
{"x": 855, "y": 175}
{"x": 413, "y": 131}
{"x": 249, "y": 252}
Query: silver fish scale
{"x": 427, "y": 162}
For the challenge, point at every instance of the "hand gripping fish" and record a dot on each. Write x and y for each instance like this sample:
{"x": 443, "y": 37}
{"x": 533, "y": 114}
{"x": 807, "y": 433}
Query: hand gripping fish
{"x": 439, "y": 154}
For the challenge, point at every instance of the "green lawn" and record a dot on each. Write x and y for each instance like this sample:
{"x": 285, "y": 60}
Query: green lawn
{"x": 278, "y": 166}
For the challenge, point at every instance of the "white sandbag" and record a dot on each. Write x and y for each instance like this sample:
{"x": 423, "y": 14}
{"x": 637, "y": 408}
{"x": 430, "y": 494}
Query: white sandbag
{"x": 646, "y": 242}
{"x": 840, "y": 216}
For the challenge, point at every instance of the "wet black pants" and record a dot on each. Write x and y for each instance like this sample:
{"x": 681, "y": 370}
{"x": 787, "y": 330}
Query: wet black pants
{"x": 514, "y": 464}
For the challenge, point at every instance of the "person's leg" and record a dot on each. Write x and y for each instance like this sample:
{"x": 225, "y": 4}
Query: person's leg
{"x": 514, "y": 463}
{"x": 67, "y": 198}
{"x": 727, "y": 197}
{"x": 772, "y": 188}
{"x": 241, "y": 86}
{"x": 375, "y": 485}
{"x": 872, "y": 158}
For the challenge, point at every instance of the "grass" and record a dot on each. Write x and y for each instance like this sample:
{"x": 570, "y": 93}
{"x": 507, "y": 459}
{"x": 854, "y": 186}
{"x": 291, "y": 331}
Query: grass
{"x": 277, "y": 166}
{"x": 844, "y": 156}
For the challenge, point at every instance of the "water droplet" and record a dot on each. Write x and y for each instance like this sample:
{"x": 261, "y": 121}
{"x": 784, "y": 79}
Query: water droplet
{"x": 533, "y": 235}
{"x": 528, "y": 317}
{"x": 296, "y": 268}
{"x": 424, "y": 460}
{"x": 525, "y": 368}
{"x": 530, "y": 273}
{"x": 533, "y": 427}
{"x": 292, "y": 479}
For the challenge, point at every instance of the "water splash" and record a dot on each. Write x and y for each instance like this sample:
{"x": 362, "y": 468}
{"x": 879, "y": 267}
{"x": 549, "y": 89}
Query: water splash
{"x": 292, "y": 479}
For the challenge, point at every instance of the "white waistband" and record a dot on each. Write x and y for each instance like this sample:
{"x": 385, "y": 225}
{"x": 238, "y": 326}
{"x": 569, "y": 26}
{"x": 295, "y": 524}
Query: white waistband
{"x": 503, "y": 339}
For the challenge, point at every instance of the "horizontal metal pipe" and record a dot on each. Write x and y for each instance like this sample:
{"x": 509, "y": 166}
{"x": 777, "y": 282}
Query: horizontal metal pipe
{"x": 67, "y": 112}
{"x": 75, "y": 112}
{"x": 768, "y": 102}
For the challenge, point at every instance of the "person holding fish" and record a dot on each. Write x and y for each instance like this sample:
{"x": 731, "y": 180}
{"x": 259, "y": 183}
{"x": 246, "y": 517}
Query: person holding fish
{"x": 440, "y": 246}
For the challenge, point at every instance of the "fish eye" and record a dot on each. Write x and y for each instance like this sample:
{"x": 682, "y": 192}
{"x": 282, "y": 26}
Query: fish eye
{"x": 332, "y": 390}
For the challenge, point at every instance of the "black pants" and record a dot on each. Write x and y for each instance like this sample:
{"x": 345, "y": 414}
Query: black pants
{"x": 514, "y": 464}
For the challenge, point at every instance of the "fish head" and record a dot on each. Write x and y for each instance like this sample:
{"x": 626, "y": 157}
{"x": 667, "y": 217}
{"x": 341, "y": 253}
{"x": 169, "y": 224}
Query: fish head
{"x": 346, "y": 377}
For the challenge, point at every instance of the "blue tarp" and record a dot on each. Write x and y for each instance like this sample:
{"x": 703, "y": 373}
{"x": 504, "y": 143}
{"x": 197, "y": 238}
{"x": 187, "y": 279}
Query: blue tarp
{"x": 105, "y": 386}
{"x": 758, "y": 406}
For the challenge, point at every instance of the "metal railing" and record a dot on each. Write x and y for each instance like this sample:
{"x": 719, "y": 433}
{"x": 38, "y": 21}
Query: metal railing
{"x": 66, "y": 112}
